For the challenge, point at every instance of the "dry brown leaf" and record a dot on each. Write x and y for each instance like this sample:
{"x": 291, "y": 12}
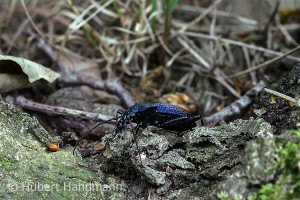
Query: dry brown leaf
{"x": 17, "y": 73}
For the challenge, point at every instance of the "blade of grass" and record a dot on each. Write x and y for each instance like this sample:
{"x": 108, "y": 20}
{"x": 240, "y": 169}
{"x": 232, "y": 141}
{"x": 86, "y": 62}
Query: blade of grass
{"x": 154, "y": 19}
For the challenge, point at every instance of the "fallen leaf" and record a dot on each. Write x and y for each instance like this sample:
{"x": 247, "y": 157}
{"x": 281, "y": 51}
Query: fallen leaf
{"x": 17, "y": 73}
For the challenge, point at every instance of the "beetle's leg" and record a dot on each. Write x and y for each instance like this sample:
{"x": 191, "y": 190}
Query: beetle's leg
{"x": 91, "y": 129}
{"x": 144, "y": 125}
{"x": 201, "y": 119}
{"x": 136, "y": 142}
{"x": 110, "y": 137}
{"x": 135, "y": 132}
{"x": 120, "y": 112}
{"x": 113, "y": 134}
{"x": 196, "y": 118}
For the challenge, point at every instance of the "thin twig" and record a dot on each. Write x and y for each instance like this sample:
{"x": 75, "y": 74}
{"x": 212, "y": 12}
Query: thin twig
{"x": 202, "y": 16}
{"x": 285, "y": 97}
{"x": 247, "y": 60}
{"x": 265, "y": 63}
{"x": 31, "y": 20}
{"x": 56, "y": 110}
{"x": 220, "y": 78}
{"x": 112, "y": 86}
{"x": 194, "y": 53}
{"x": 219, "y": 14}
{"x": 237, "y": 108}
{"x": 237, "y": 43}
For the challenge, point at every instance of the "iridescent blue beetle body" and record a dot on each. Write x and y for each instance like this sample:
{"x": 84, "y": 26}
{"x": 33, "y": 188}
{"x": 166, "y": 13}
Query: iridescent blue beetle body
{"x": 166, "y": 116}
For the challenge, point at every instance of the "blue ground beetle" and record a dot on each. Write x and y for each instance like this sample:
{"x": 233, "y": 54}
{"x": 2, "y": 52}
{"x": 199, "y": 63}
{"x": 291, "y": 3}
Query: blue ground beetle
{"x": 161, "y": 115}
{"x": 166, "y": 116}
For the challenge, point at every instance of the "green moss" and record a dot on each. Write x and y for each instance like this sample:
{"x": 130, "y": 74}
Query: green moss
{"x": 226, "y": 196}
{"x": 29, "y": 171}
{"x": 287, "y": 169}
{"x": 271, "y": 163}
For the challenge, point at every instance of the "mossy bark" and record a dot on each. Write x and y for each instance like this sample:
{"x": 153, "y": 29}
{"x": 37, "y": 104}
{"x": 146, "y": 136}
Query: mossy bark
{"x": 29, "y": 171}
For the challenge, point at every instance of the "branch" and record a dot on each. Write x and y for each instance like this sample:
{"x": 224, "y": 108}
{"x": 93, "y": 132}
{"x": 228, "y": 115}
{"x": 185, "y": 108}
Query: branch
{"x": 56, "y": 110}
{"x": 237, "y": 108}
{"x": 112, "y": 86}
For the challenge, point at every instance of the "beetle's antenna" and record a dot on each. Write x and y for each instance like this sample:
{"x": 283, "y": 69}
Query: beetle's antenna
{"x": 136, "y": 143}
{"x": 82, "y": 137}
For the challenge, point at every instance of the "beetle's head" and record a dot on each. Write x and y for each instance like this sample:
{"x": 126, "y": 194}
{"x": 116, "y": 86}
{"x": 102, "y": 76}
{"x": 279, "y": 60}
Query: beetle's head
{"x": 122, "y": 121}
